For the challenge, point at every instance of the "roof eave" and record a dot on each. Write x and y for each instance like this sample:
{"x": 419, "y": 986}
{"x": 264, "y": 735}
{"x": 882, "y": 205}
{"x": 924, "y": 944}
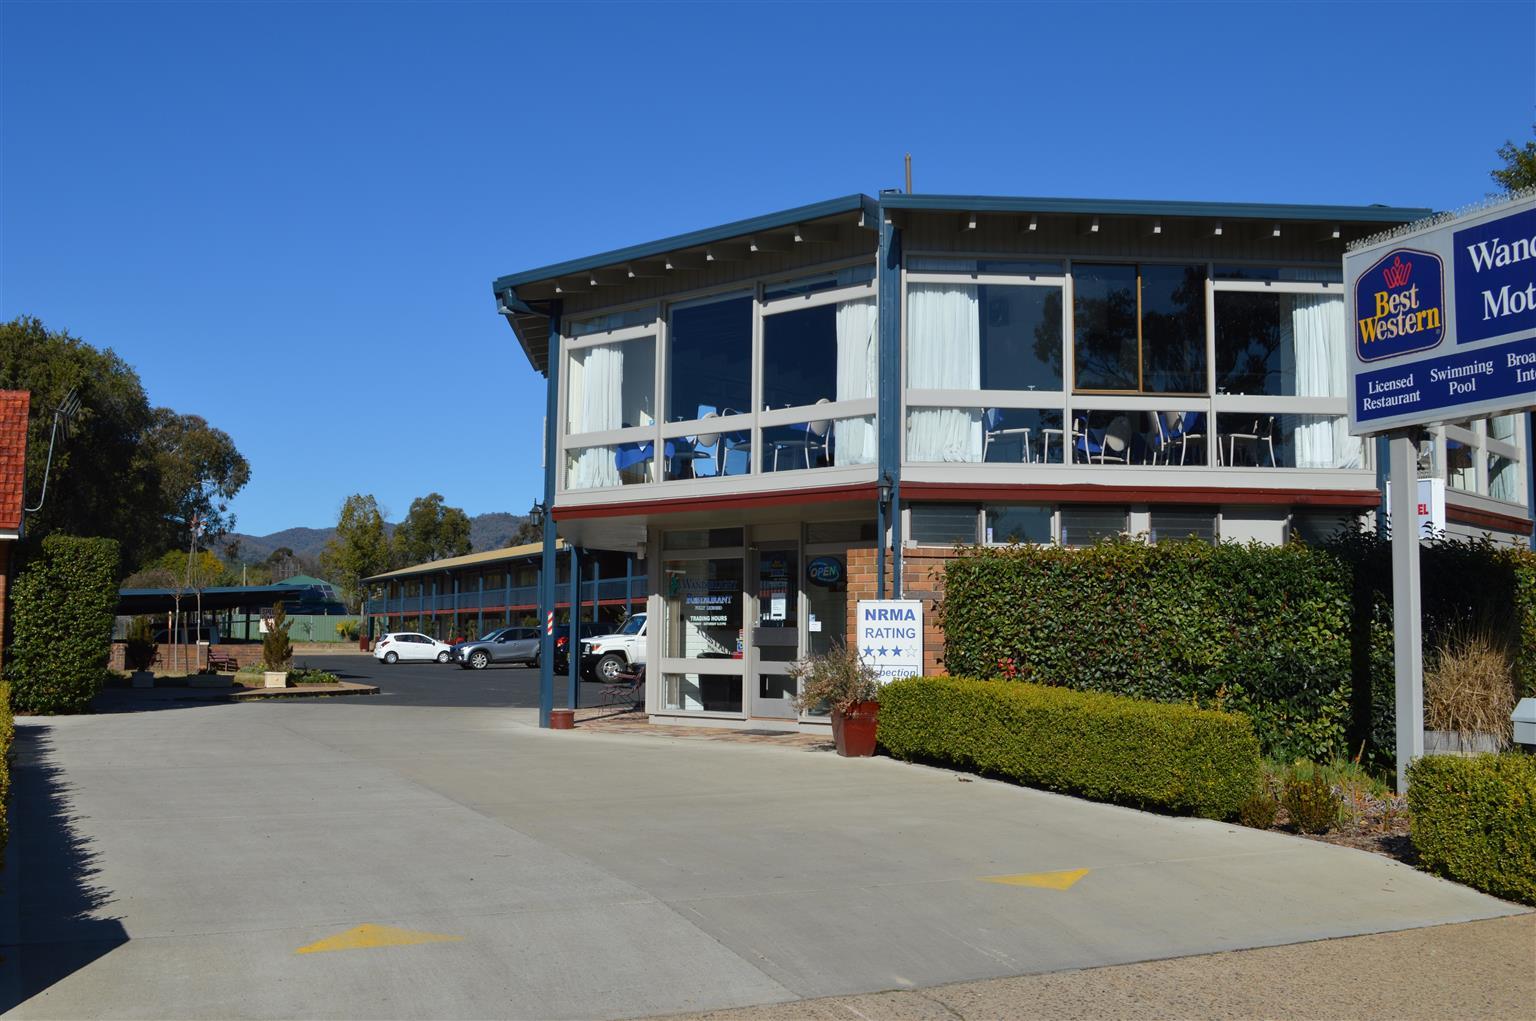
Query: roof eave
{"x": 1147, "y": 207}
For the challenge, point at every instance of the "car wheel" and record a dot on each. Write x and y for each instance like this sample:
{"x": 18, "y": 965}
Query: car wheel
{"x": 534, "y": 662}
{"x": 479, "y": 659}
{"x": 609, "y": 666}
{"x": 391, "y": 658}
{"x": 442, "y": 657}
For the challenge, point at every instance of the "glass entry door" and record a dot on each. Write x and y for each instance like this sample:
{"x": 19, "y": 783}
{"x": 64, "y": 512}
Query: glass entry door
{"x": 775, "y": 638}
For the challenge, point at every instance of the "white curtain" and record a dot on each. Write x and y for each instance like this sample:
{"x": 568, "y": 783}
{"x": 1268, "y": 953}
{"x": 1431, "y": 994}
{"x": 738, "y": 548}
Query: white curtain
{"x": 943, "y": 353}
{"x": 858, "y": 367}
{"x": 1318, "y": 335}
{"x": 596, "y": 402}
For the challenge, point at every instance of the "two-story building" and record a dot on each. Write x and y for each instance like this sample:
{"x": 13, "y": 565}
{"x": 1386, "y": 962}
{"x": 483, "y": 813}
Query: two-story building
{"x": 782, "y": 414}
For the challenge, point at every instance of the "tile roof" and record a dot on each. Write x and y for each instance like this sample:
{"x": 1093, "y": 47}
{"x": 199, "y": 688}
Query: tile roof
{"x": 13, "y": 456}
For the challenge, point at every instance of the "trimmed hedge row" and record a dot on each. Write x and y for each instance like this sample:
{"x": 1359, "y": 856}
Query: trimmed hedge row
{"x": 1263, "y": 630}
{"x": 64, "y": 601}
{"x": 1474, "y": 821}
{"x": 1104, "y": 747}
{"x": 7, "y": 735}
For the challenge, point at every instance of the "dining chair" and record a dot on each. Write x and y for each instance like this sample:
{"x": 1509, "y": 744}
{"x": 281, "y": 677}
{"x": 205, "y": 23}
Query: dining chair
{"x": 994, "y": 427}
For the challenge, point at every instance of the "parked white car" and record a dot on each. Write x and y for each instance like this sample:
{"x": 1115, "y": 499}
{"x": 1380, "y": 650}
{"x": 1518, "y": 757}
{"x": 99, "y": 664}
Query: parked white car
{"x": 605, "y": 656}
{"x": 398, "y": 646}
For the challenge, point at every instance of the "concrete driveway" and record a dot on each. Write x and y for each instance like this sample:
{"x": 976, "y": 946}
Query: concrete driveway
{"x": 347, "y": 858}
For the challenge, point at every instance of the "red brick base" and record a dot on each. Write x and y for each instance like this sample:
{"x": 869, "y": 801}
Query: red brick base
{"x": 922, "y": 574}
{"x": 167, "y": 656}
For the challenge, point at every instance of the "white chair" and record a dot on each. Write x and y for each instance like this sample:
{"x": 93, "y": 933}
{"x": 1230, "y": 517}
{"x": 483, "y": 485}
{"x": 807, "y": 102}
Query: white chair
{"x": 994, "y": 430}
{"x": 1261, "y": 435}
{"x": 815, "y": 438}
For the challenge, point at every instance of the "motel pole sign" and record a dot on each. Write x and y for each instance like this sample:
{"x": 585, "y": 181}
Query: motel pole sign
{"x": 1443, "y": 317}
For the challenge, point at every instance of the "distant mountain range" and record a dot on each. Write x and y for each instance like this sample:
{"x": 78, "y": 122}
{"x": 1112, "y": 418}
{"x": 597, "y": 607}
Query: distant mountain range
{"x": 486, "y": 532}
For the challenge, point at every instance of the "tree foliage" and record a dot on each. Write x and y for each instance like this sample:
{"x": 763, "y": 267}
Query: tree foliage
{"x": 431, "y": 531}
{"x": 1519, "y": 170}
{"x": 276, "y": 649}
{"x": 361, "y": 547}
{"x": 121, "y": 468}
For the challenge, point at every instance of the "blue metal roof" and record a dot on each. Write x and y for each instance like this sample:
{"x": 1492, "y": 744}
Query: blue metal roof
{"x": 726, "y": 231}
{"x": 1145, "y": 207}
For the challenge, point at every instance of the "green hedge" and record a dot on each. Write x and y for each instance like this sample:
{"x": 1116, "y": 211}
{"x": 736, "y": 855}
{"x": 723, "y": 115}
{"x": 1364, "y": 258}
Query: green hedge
{"x": 1264, "y": 630}
{"x": 1104, "y": 747}
{"x": 1474, "y": 821}
{"x": 63, "y": 606}
{"x": 7, "y": 736}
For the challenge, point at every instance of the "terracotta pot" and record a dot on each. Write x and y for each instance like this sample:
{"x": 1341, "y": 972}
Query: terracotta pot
{"x": 562, "y": 719}
{"x": 854, "y": 731}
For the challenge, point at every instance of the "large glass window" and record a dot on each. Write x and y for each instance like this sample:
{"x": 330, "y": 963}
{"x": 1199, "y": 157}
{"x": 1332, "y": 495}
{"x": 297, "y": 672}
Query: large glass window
{"x": 1171, "y": 524}
{"x": 1280, "y": 345}
{"x": 709, "y": 359}
{"x": 943, "y": 524}
{"x": 611, "y": 386}
{"x": 1084, "y": 526}
{"x": 1139, "y": 329}
{"x": 983, "y": 336}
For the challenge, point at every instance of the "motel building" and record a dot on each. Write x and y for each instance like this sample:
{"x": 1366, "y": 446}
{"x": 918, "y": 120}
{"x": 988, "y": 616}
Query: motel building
{"x": 785, "y": 414}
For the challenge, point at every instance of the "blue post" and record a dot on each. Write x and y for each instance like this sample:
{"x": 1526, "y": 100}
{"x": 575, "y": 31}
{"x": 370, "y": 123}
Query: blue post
{"x": 480, "y": 607}
{"x": 597, "y": 586}
{"x": 551, "y": 465}
{"x": 889, "y": 393}
{"x": 629, "y": 584}
{"x": 880, "y": 547}
{"x": 573, "y": 642}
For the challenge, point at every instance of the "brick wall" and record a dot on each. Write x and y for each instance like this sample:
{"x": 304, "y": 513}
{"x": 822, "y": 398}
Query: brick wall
{"x": 922, "y": 574}
{"x": 244, "y": 654}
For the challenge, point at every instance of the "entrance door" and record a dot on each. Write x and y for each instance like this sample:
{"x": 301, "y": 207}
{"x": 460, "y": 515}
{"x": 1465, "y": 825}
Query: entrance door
{"x": 775, "y": 641}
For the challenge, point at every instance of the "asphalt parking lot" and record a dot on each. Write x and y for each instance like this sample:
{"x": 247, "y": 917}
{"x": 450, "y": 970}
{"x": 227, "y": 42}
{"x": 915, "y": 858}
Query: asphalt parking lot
{"x": 501, "y": 686}
{"x": 358, "y": 857}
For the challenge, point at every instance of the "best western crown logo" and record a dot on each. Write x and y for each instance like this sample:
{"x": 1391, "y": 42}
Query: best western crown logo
{"x": 1400, "y": 305}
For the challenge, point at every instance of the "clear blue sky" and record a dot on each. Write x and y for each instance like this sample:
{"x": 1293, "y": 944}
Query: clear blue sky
{"x": 287, "y": 216}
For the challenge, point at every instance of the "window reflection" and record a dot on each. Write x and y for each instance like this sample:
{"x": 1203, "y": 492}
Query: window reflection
{"x": 709, "y": 359}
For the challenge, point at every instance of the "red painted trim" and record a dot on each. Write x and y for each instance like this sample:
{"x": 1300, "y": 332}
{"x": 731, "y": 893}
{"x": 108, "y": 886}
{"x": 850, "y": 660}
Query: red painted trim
{"x": 1487, "y": 519}
{"x": 725, "y": 501}
{"x": 974, "y": 491}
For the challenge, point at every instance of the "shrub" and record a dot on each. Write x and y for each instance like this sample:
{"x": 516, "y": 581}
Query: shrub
{"x": 1310, "y": 800}
{"x": 307, "y": 675}
{"x": 1263, "y": 630}
{"x": 838, "y": 679}
{"x": 65, "y": 600}
{"x": 1474, "y": 820}
{"x": 1105, "y": 747}
{"x": 1258, "y": 811}
{"x": 7, "y": 736}
{"x": 348, "y": 630}
{"x": 276, "y": 649}
{"x": 139, "y": 650}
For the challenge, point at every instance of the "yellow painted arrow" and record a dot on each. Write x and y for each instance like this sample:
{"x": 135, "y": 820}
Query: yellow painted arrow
{"x": 1063, "y": 880}
{"x": 365, "y": 936}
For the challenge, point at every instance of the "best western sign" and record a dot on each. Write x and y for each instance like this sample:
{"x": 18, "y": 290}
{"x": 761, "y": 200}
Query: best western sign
{"x": 1444, "y": 321}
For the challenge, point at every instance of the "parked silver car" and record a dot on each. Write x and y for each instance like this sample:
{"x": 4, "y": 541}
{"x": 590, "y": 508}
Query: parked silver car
{"x": 504, "y": 645}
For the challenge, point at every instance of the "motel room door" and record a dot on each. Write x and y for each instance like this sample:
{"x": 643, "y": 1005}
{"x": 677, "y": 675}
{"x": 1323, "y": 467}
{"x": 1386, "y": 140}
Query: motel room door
{"x": 775, "y": 641}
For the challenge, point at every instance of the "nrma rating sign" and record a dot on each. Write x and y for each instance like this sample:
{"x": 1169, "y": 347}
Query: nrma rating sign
{"x": 1445, "y": 321}
{"x": 1399, "y": 305}
{"x": 890, "y": 636}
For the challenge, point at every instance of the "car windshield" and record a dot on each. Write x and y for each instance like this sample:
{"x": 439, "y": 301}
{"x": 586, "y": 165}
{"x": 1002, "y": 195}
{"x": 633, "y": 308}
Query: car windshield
{"x": 489, "y": 636}
{"x": 633, "y": 625}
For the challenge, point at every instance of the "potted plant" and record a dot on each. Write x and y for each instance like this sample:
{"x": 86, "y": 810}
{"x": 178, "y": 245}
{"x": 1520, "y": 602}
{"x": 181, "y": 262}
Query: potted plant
{"x": 139, "y": 651}
{"x": 1469, "y": 696}
{"x": 850, "y": 688}
{"x": 276, "y": 650}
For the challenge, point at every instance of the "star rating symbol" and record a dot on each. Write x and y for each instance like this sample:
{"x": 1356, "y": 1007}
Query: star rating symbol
{"x": 869, "y": 650}
{"x": 883, "y": 651}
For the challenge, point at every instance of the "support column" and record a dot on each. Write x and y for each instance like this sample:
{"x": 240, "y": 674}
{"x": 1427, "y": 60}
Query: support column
{"x": 573, "y": 641}
{"x": 889, "y": 393}
{"x": 1408, "y": 641}
{"x": 551, "y": 465}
